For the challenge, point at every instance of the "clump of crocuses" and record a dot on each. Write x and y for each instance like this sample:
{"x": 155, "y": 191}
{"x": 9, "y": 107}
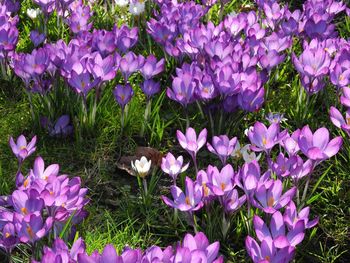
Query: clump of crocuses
{"x": 273, "y": 192}
{"x": 190, "y": 249}
{"x": 43, "y": 202}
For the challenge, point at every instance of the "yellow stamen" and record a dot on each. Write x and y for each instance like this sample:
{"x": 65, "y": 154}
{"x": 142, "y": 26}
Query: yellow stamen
{"x": 7, "y": 234}
{"x": 206, "y": 189}
{"x": 51, "y": 193}
{"x": 267, "y": 258}
{"x": 348, "y": 121}
{"x": 22, "y": 147}
{"x": 264, "y": 141}
{"x": 341, "y": 77}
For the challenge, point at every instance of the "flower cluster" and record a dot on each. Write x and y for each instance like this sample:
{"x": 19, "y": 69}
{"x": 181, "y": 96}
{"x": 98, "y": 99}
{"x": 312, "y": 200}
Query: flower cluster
{"x": 323, "y": 53}
{"x": 8, "y": 32}
{"x": 192, "y": 249}
{"x": 230, "y": 61}
{"x": 42, "y": 203}
{"x": 270, "y": 192}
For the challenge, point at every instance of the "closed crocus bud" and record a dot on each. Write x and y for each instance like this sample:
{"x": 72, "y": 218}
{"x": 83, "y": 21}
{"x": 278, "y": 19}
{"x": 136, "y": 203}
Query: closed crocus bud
{"x": 142, "y": 166}
{"x": 222, "y": 146}
{"x": 123, "y": 94}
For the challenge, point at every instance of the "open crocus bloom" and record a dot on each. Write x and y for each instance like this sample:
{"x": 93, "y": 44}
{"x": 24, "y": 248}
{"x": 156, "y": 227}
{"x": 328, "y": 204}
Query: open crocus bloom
{"x": 317, "y": 146}
{"x": 21, "y": 148}
{"x": 191, "y": 200}
{"x": 142, "y": 166}
{"x": 173, "y": 166}
{"x": 338, "y": 119}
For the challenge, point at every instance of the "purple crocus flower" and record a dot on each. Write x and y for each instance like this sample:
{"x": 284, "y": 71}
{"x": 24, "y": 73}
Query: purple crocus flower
{"x": 60, "y": 252}
{"x": 267, "y": 252}
{"x": 125, "y": 38}
{"x": 283, "y": 165}
{"x": 301, "y": 169}
{"x": 275, "y": 117}
{"x": 9, "y": 237}
{"x": 109, "y": 254}
{"x": 222, "y": 182}
{"x": 37, "y": 38}
{"x": 130, "y": 63}
{"x": 183, "y": 89}
{"x": 189, "y": 201}
{"x": 268, "y": 196}
{"x": 123, "y": 94}
{"x": 104, "y": 42}
{"x": 173, "y": 167}
{"x": 345, "y": 97}
{"x": 313, "y": 65}
{"x": 36, "y": 62}
{"x": 152, "y": 67}
{"x": 79, "y": 19}
{"x": 8, "y": 38}
{"x": 150, "y": 88}
{"x": 250, "y": 177}
{"x": 251, "y": 99}
{"x": 222, "y": 146}
{"x": 25, "y": 204}
{"x": 190, "y": 142}
{"x": 338, "y": 119}
{"x": 277, "y": 231}
{"x": 21, "y": 148}
{"x": 313, "y": 62}
{"x": 232, "y": 202}
{"x": 204, "y": 178}
{"x": 156, "y": 254}
{"x": 200, "y": 249}
{"x": 291, "y": 216}
{"x": 33, "y": 229}
{"x": 62, "y": 127}
{"x": 263, "y": 138}
{"x": 45, "y": 175}
{"x": 290, "y": 143}
{"x": 46, "y": 5}
{"x": 317, "y": 146}
{"x": 102, "y": 68}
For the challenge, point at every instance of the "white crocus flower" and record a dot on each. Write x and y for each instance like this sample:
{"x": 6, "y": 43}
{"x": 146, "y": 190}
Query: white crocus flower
{"x": 237, "y": 151}
{"x": 142, "y": 166}
{"x": 33, "y": 13}
{"x": 121, "y": 3}
{"x": 249, "y": 156}
{"x": 137, "y": 8}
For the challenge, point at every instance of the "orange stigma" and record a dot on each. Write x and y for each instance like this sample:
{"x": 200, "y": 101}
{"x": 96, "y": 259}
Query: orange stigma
{"x": 24, "y": 211}
{"x": 187, "y": 200}
{"x": 271, "y": 202}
